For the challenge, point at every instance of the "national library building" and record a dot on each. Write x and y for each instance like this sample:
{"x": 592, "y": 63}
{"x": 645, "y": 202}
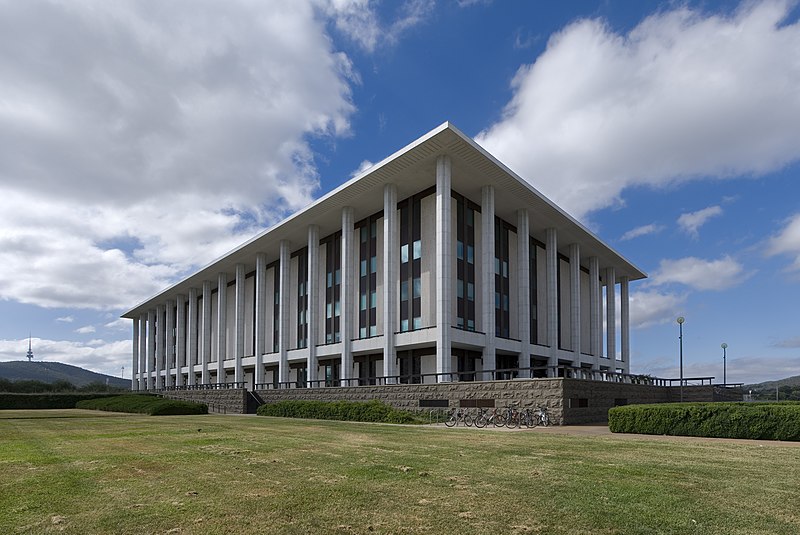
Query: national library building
{"x": 436, "y": 265}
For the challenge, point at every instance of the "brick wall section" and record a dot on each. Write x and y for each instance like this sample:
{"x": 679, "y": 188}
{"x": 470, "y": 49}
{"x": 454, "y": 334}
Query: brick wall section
{"x": 528, "y": 392}
{"x": 233, "y": 400}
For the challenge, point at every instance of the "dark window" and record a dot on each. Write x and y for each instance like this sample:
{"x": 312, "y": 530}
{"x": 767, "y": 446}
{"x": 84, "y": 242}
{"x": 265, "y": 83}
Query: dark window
{"x": 274, "y": 371}
{"x": 368, "y": 276}
{"x": 467, "y": 363}
{"x": 333, "y": 279}
{"x": 465, "y": 263}
{"x": 534, "y": 292}
{"x": 302, "y": 374}
{"x": 410, "y": 264}
{"x": 410, "y": 367}
{"x": 302, "y": 297}
{"x": 508, "y": 363}
{"x": 367, "y": 368}
{"x": 276, "y": 308}
{"x": 330, "y": 370}
{"x": 502, "y": 318}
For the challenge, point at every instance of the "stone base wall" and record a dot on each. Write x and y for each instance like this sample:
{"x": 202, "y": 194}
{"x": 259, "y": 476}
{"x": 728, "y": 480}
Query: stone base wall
{"x": 528, "y": 392}
{"x": 233, "y": 400}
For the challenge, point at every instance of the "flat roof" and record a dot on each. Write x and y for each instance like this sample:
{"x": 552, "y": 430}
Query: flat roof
{"x": 412, "y": 168}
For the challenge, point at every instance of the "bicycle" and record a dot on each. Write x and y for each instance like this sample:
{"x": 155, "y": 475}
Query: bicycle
{"x": 542, "y": 417}
{"x": 485, "y": 417}
{"x": 459, "y": 415}
{"x": 528, "y": 418}
{"x": 512, "y": 416}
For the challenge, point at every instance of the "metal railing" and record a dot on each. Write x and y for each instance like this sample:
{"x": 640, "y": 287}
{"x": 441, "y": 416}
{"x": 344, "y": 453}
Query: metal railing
{"x": 500, "y": 374}
{"x": 206, "y": 386}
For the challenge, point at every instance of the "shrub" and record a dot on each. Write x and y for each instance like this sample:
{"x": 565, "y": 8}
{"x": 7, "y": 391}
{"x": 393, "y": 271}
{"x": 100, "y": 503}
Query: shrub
{"x": 44, "y": 401}
{"x": 354, "y": 411}
{"x": 144, "y": 404}
{"x": 765, "y": 421}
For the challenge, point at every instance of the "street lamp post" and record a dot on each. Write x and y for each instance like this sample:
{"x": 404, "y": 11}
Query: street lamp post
{"x": 680, "y": 321}
{"x": 724, "y": 347}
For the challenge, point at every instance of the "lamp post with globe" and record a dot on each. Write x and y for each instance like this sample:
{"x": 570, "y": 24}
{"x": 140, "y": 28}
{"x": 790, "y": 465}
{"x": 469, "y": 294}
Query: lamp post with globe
{"x": 724, "y": 347}
{"x": 680, "y": 321}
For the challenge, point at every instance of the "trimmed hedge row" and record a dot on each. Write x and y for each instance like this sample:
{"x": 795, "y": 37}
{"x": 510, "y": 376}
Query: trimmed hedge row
{"x": 45, "y": 401}
{"x": 764, "y": 421}
{"x": 144, "y": 404}
{"x": 353, "y": 411}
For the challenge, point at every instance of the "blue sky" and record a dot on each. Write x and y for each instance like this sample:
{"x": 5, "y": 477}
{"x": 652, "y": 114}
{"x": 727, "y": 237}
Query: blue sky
{"x": 140, "y": 140}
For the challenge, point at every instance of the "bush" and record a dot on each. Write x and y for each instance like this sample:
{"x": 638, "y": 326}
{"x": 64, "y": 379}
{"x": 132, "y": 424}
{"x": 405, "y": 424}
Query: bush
{"x": 764, "y": 421}
{"x": 354, "y": 411}
{"x": 44, "y": 401}
{"x": 144, "y": 404}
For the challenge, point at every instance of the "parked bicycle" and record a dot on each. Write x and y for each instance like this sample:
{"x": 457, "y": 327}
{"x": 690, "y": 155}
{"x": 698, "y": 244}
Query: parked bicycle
{"x": 459, "y": 415}
{"x": 491, "y": 418}
{"x": 543, "y": 418}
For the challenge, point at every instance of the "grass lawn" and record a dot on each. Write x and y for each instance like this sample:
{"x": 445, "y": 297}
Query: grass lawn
{"x": 234, "y": 474}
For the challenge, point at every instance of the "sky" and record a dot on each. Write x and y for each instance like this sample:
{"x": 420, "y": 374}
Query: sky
{"x": 139, "y": 140}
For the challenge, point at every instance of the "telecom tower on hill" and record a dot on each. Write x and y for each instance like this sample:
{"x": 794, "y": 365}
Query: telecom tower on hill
{"x": 30, "y": 350}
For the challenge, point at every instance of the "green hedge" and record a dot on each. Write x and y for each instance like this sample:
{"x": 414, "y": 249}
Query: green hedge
{"x": 144, "y": 404}
{"x": 765, "y": 421}
{"x": 354, "y": 411}
{"x": 45, "y": 401}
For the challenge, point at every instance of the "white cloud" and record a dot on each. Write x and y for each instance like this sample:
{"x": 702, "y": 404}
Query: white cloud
{"x": 138, "y": 141}
{"x": 683, "y": 95}
{"x": 692, "y": 221}
{"x": 700, "y": 274}
{"x": 789, "y": 343}
{"x": 787, "y": 241}
{"x": 65, "y": 319}
{"x": 359, "y": 20}
{"x": 363, "y": 166}
{"x": 96, "y": 355}
{"x": 651, "y": 307}
{"x": 87, "y": 329}
{"x": 119, "y": 324}
{"x": 644, "y": 230}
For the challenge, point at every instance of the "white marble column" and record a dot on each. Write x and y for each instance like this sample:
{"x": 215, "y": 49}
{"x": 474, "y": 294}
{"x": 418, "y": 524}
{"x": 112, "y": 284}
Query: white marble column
{"x": 151, "y": 348}
{"x": 222, "y": 325}
{"x": 444, "y": 268}
{"x": 552, "y": 299}
{"x": 239, "y": 322}
{"x": 624, "y": 317}
{"x": 285, "y": 299}
{"x": 135, "y": 355}
{"x": 180, "y": 338}
{"x": 611, "y": 318}
{"x": 170, "y": 344}
{"x": 143, "y": 351}
{"x": 391, "y": 268}
{"x": 575, "y": 302}
{"x": 160, "y": 339}
{"x": 595, "y": 312}
{"x": 261, "y": 318}
{"x": 312, "y": 312}
{"x": 191, "y": 357}
{"x": 206, "y": 343}
{"x": 487, "y": 279}
{"x": 524, "y": 286}
{"x": 348, "y": 295}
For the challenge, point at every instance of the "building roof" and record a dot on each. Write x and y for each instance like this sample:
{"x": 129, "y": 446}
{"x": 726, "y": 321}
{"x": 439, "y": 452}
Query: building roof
{"x": 412, "y": 169}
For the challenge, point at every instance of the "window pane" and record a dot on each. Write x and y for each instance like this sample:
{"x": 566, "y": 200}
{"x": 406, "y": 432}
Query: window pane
{"x": 460, "y": 289}
{"x": 460, "y": 250}
{"x": 496, "y": 266}
{"x": 338, "y": 276}
{"x": 403, "y": 325}
{"x": 362, "y": 332}
{"x": 328, "y": 310}
{"x": 417, "y": 323}
{"x": 470, "y": 217}
{"x": 470, "y": 291}
{"x": 505, "y": 269}
{"x": 364, "y": 234}
{"x": 404, "y": 291}
{"x": 336, "y": 308}
{"x": 417, "y": 249}
{"x": 417, "y": 287}
{"x": 373, "y": 330}
{"x": 373, "y": 228}
{"x": 471, "y": 325}
{"x": 373, "y": 299}
{"x": 373, "y": 264}
{"x": 363, "y": 268}
{"x": 363, "y": 305}
{"x": 404, "y": 254}
{"x": 459, "y": 322}
{"x": 470, "y": 254}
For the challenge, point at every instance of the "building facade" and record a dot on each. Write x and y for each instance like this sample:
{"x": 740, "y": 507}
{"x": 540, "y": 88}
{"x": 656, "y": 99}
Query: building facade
{"x": 437, "y": 264}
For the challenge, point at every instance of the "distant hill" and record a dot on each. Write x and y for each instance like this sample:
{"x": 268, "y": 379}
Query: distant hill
{"x": 772, "y": 385}
{"x": 50, "y": 372}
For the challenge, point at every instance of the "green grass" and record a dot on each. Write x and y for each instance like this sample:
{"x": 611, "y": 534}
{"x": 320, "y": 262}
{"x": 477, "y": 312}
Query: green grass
{"x": 234, "y": 474}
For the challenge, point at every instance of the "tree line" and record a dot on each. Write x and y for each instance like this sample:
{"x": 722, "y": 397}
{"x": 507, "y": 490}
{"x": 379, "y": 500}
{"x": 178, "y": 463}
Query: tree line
{"x": 27, "y": 386}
